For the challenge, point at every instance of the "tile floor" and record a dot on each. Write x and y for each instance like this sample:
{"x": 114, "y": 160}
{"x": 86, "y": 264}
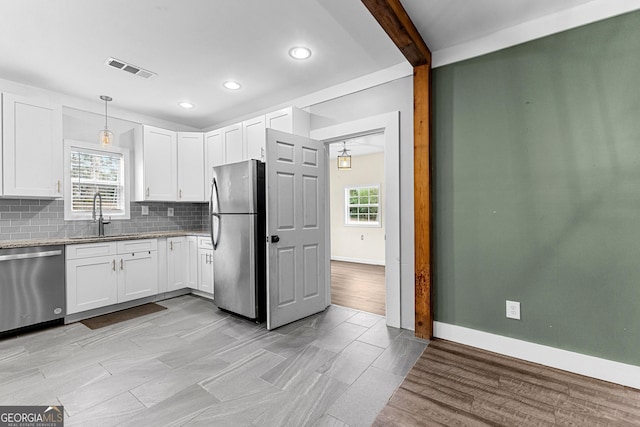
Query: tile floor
{"x": 195, "y": 365}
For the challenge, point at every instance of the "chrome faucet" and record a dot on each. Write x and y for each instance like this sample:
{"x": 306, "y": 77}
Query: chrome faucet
{"x": 101, "y": 221}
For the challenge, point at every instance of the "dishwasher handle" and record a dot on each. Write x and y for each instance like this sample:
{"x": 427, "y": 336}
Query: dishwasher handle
{"x": 44, "y": 254}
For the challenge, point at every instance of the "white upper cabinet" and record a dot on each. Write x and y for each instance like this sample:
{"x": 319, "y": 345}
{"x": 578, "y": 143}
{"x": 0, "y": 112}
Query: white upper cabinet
{"x": 156, "y": 165}
{"x": 213, "y": 153}
{"x": 31, "y": 147}
{"x": 178, "y": 166}
{"x": 291, "y": 120}
{"x": 255, "y": 138}
{"x": 233, "y": 147}
{"x": 191, "y": 167}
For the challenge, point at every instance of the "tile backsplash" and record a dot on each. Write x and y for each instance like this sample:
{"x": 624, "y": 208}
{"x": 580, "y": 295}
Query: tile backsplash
{"x": 37, "y": 219}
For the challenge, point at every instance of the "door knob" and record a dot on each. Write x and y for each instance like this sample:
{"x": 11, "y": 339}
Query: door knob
{"x": 275, "y": 238}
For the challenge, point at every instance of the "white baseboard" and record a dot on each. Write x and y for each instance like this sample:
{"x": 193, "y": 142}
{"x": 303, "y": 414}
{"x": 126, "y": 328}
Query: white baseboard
{"x": 603, "y": 369}
{"x": 358, "y": 260}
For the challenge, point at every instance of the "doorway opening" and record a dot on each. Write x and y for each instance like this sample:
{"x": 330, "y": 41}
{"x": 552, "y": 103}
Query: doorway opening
{"x": 356, "y": 202}
{"x": 389, "y": 125}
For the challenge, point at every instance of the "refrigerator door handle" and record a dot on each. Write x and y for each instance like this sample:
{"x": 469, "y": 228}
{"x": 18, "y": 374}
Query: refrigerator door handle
{"x": 214, "y": 190}
{"x": 215, "y": 238}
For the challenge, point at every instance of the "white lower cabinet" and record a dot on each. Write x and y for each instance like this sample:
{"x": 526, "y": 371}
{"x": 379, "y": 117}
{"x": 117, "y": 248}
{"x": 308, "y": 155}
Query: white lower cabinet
{"x": 205, "y": 265}
{"x": 102, "y": 274}
{"x": 177, "y": 265}
{"x": 107, "y": 273}
{"x": 192, "y": 262}
{"x": 138, "y": 275}
{"x": 91, "y": 283}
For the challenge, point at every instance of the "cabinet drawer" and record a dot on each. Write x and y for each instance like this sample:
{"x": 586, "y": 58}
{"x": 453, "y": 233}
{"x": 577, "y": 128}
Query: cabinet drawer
{"x": 88, "y": 250}
{"x": 137, "y": 245}
{"x": 205, "y": 242}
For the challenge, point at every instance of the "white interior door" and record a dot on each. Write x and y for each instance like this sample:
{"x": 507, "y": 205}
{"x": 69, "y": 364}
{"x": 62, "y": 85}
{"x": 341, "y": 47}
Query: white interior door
{"x": 296, "y": 183}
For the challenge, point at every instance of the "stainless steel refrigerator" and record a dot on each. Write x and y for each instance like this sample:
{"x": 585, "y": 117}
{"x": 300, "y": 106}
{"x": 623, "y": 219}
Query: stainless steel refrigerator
{"x": 237, "y": 224}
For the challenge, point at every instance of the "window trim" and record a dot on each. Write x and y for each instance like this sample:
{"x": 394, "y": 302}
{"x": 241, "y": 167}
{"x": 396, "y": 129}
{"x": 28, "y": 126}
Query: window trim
{"x": 347, "y": 205}
{"x": 69, "y": 145}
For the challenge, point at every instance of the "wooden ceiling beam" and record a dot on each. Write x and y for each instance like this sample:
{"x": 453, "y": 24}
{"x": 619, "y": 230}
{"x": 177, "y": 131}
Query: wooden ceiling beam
{"x": 392, "y": 17}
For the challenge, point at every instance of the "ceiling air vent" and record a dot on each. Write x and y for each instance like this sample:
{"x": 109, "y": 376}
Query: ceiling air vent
{"x": 132, "y": 69}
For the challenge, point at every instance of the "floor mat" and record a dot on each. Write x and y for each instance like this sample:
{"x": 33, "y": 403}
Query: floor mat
{"x": 122, "y": 315}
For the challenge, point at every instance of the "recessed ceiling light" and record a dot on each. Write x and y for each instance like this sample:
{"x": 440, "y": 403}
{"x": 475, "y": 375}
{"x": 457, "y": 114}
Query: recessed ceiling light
{"x": 299, "y": 52}
{"x": 232, "y": 85}
{"x": 186, "y": 105}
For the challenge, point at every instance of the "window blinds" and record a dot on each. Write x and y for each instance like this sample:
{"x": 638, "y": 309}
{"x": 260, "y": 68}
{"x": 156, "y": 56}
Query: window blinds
{"x": 96, "y": 171}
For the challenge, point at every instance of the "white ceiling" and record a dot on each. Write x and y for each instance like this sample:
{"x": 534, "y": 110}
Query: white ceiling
{"x": 359, "y": 146}
{"x": 446, "y": 23}
{"x": 195, "y": 45}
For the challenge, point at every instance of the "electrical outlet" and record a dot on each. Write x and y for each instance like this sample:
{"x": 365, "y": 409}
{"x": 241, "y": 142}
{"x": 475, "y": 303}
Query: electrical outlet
{"x": 169, "y": 211}
{"x": 513, "y": 310}
{"x": 145, "y": 210}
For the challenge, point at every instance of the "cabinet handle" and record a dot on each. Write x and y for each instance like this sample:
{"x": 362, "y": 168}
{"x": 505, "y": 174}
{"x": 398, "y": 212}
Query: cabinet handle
{"x": 171, "y": 245}
{"x": 147, "y": 191}
{"x": 180, "y": 194}
{"x": 262, "y": 153}
{"x": 58, "y": 186}
{"x": 114, "y": 265}
{"x": 121, "y": 264}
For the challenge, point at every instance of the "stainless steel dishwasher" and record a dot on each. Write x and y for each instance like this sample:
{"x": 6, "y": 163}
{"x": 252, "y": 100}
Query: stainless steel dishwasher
{"x": 31, "y": 286}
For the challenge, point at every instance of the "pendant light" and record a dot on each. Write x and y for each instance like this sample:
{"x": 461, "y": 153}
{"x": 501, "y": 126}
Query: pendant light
{"x": 344, "y": 159}
{"x": 106, "y": 137}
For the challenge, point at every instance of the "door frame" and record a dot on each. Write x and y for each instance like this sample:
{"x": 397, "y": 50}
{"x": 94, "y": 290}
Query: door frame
{"x": 389, "y": 124}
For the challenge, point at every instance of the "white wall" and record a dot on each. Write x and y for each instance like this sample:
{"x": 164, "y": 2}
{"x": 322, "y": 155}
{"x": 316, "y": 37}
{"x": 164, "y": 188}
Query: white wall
{"x": 88, "y": 106}
{"x": 393, "y": 96}
{"x": 354, "y": 243}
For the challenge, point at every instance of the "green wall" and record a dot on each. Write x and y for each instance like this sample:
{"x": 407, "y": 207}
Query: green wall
{"x": 537, "y": 190}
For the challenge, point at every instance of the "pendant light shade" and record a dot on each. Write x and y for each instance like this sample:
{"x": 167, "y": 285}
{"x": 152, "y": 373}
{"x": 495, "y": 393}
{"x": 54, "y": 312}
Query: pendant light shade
{"x": 344, "y": 159}
{"x": 105, "y": 135}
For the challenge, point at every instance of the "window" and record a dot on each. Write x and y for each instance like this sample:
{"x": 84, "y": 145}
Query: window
{"x": 89, "y": 171}
{"x": 362, "y": 205}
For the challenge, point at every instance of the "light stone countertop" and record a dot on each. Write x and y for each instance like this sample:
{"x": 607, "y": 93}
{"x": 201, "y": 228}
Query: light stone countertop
{"x": 7, "y": 244}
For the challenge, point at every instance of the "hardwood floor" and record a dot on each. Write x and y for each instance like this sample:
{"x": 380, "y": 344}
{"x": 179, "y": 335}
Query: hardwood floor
{"x": 359, "y": 286}
{"x": 453, "y": 384}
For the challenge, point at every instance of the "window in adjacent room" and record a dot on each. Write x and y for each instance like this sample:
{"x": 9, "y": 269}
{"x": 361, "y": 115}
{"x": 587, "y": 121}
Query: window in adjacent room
{"x": 362, "y": 206}
{"x": 90, "y": 170}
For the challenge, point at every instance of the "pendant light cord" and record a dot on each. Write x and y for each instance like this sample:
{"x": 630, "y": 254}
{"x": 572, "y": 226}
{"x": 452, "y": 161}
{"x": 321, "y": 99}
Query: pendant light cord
{"x": 106, "y": 99}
